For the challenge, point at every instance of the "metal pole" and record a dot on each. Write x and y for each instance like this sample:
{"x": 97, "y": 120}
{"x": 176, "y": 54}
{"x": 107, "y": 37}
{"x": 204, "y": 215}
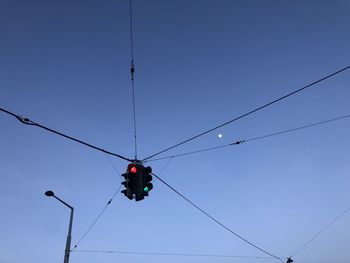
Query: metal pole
{"x": 69, "y": 237}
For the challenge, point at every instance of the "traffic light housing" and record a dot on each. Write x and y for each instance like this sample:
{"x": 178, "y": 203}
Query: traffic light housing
{"x": 137, "y": 181}
{"x": 131, "y": 180}
{"x": 147, "y": 186}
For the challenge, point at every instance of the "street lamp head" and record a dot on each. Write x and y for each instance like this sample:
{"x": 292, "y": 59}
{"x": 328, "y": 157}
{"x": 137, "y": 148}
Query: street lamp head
{"x": 49, "y": 193}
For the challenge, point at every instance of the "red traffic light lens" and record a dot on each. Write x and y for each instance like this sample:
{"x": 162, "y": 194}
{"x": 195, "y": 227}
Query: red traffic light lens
{"x": 133, "y": 169}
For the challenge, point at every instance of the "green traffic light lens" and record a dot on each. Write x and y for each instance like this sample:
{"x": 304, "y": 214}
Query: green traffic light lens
{"x": 146, "y": 189}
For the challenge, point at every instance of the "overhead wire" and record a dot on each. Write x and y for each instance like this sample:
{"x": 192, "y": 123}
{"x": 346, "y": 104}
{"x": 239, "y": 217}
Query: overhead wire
{"x": 27, "y": 121}
{"x": 96, "y": 219}
{"x": 320, "y": 232}
{"x": 112, "y": 164}
{"x": 169, "y": 254}
{"x": 298, "y": 128}
{"x": 252, "y": 139}
{"x": 102, "y": 211}
{"x": 165, "y": 166}
{"x": 131, "y": 30}
{"x": 250, "y": 112}
{"x": 216, "y": 220}
{"x": 132, "y": 72}
{"x": 194, "y": 152}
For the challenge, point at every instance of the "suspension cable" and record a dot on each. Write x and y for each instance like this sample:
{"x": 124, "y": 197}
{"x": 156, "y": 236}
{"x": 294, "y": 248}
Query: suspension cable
{"x": 104, "y": 208}
{"x": 251, "y": 139}
{"x": 169, "y": 254}
{"x": 251, "y": 112}
{"x": 27, "y": 121}
{"x": 132, "y": 72}
{"x": 217, "y": 221}
{"x": 320, "y": 232}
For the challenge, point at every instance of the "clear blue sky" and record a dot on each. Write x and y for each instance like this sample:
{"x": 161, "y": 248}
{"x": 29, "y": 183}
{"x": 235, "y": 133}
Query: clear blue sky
{"x": 65, "y": 64}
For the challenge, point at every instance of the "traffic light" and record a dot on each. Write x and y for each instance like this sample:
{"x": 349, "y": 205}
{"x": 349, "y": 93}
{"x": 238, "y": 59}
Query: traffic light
{"x": 137, "y": 181}
{"x": 146, "y": 180}
{"x": 131, "y": 180}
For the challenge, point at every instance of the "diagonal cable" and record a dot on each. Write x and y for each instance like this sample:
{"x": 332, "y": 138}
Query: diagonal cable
{"x": 321, "y": 231}
{"x": 97, "y": 218}
{"x": 252, "y": 139}
{"x": 194, "y": 152}
{"x": 251, "y": 112}
{"x": 112, "y": 164}
{"x": 27, "y": 121}
{"x": 298, "y": 128}
{"x": 105, "y": 207}
{"x": 217, "y": 221}
{"x": 165, "y": 166}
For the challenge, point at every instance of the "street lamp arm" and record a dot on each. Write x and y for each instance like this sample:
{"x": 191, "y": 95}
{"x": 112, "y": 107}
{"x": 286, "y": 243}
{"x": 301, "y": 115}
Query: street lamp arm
{"x": 63, "y": 202}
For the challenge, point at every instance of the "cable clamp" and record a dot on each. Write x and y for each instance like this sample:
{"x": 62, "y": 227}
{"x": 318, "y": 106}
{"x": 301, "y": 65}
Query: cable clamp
{"x": 24, "y": 120}
{"x": 237, "y": 142}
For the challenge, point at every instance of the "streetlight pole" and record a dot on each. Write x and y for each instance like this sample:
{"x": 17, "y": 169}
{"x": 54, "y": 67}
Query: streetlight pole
{"x": 69, "y": 236}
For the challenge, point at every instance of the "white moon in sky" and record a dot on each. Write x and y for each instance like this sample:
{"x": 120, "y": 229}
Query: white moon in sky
{"x": 220, "y": 135}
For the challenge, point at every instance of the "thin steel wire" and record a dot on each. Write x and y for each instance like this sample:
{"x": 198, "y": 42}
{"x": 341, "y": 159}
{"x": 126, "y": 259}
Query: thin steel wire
{"x": 252, "y": 139}
{"x": 217, "y": 221}
{"x": 96, "y": 219}
{"x": 131, "y": 31}
{"x": 169, "y": 254}
{"x": 320, "y": 232}
{"x": 165, "y": 166}
{"x": 298, "y": 128}
{"x": 250, "y": 112}
{"x": 132, "y": 72}
{"x": 104, "y": 208}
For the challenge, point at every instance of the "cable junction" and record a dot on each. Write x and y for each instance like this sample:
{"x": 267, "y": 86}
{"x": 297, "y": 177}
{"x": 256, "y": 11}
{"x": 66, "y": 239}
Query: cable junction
{"x": 252, "y": 139}
{"x": 251, "y": 112}
{"x": 217, "y": 221}
{"x": 27, "y": 121}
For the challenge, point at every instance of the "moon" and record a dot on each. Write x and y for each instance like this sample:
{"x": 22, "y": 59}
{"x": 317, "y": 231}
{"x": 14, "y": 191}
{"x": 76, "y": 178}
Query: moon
{"x": 220, "y": 135}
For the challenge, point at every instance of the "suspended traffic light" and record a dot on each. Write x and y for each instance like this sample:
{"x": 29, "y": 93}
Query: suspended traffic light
{"x": 137, "y": 181}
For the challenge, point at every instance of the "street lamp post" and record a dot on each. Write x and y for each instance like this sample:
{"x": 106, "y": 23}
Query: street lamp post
{"x": 69, "y": 236}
